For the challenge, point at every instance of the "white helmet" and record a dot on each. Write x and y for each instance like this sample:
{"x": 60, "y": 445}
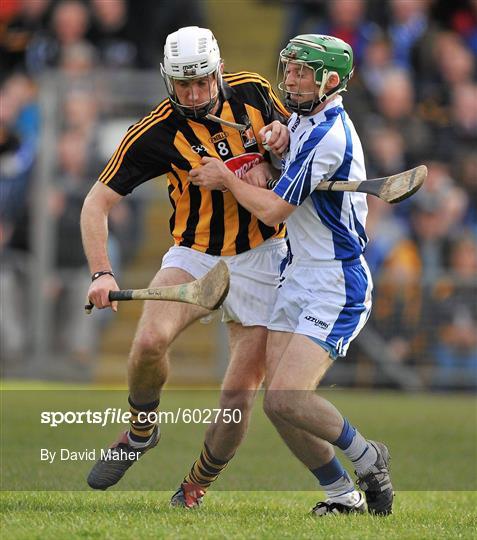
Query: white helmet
{"x": 191, "y": 53}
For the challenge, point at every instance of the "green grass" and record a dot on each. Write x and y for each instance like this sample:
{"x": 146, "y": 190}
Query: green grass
{"x": 235, "y": 515}
{"x": 432, "y": 439}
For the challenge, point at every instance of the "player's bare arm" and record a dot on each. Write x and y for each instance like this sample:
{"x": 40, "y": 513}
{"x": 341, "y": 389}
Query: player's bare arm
{"x": 260, "y": 175}
{"x": 268, "y": 207}
{"x": 94, "y": 232}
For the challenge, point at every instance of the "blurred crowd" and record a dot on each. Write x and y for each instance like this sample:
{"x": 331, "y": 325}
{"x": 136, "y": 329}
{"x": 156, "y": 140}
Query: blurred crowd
{"x": 78, "y": 39}
{"x": 413, "y": 99}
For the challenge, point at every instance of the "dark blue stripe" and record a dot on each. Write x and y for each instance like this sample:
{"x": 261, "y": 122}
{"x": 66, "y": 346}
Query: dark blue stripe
{"x": 362, "y": 454}
{"x": 328, "y": 205}
{"x": 290, "y": 175}
{"x": 356, "y": 285}
{"x": 343, "y": 171}
{"x": 346, "y": 437}
{"x": 358, "y": 227}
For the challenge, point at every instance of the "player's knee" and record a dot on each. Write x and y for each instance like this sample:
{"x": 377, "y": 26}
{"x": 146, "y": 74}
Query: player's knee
{"x": 237, "y": 400}
{"x": 150, "y": 346}
{"x": 278, "y": 407}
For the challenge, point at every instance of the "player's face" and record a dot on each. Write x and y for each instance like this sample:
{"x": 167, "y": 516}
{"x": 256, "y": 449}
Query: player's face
{"x": 299, "y": 81}
{"x": 196, "y": 93}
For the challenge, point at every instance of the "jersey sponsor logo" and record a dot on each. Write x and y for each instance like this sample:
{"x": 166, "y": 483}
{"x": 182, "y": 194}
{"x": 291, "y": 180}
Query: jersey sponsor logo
{"x": 295, "y": 125}
{"x": 240, "y": 165}
{"x": 317, "y": 322}
{"x": 218, "y": 137}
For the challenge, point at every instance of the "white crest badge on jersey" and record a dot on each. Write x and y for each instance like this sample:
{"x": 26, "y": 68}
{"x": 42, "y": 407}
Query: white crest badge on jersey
{"x": 248, "y": 135}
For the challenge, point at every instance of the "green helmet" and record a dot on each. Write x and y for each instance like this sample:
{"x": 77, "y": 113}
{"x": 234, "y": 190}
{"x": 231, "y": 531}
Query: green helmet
{"x": 323, "y": 54}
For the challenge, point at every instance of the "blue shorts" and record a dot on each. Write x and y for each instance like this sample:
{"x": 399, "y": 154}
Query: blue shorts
{"x": 328, "y": 301}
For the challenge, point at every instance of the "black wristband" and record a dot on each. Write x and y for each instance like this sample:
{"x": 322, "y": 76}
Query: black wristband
{"x": 96, "y": 275}
{"x": 272, "y": 182}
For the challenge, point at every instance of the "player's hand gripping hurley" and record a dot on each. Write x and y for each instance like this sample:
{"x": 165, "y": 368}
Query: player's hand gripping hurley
{"x": 208, "y": 292}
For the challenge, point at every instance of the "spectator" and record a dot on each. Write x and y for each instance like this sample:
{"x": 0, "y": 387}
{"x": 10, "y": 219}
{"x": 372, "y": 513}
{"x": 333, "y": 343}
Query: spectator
{"x": 19, "y": 132}
{"x": 377, "y": 62}
{"x": 384, "y": 230}
{"x": 464, "y": 116}
{"x": 408, "y": 24}
{"x": 454, "y": 60}
{"x": 436, "y": 216}
{"x": 449, "y": 64}
{"x": 455, "y": 318}
{"x": 68, "y": 27}
{"x": 20, "y": 125}
{"x": 459, "y": 135}
{"x": 152, "y": 20}
{"x": 466, "y": 168}
{"x": 464, "y": 22}
{"x": 301, "y": 16}
{"x": 78, "y": 61}
{"x": 77, "y": 334}
{"x": 414, "y": 263}
{"x": 25, "y": 37}
{"x": 395, "y": 109}
{"x": 386, "y": 151}
{"x": 347, "y": 22}
{"x": 111, "y": 34}
{"x": 81, "y": 114}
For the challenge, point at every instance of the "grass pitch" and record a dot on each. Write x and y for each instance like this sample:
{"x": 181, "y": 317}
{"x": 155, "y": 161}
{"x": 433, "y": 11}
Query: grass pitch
{"x": 432, "y": 439}
{"x": 117, "y": 515}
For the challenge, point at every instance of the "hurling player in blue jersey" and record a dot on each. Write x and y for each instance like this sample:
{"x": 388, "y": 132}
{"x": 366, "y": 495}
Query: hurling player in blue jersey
{"x": 324, "y": 298}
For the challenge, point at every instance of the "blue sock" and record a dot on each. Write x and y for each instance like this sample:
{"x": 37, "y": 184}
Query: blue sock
{"x": 347, "y": 434}
{"x": 329, "y": 473}
{"x": 362, "y": 454}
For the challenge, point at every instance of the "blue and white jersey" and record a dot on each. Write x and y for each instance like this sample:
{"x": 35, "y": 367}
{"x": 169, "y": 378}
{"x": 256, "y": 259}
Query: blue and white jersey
{"x": 327, "y": 225}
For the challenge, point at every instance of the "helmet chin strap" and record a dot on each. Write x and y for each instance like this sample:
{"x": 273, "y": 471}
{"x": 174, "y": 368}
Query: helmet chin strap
{"x": 324, "y": 80}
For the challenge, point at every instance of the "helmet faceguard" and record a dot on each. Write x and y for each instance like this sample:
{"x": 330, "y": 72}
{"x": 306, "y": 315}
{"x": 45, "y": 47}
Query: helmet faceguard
{"x": 190, "y": 54}
{"x": 323, "y": 55}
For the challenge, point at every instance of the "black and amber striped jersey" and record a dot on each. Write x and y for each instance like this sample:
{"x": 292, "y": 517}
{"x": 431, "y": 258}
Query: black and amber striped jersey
{"x": 165, "y": 142}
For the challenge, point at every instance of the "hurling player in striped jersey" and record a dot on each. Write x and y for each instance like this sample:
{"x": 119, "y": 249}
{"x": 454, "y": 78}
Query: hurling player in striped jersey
{"x": 324, "y": 298}
{"x": 206, "y": 113}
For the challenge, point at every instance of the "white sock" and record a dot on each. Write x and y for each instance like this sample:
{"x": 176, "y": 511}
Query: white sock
{"x": 362, "y": 454}
{"x": 340, "y": 487}
{"x": 140, "y": 445}
{"x": 349, "y": 499}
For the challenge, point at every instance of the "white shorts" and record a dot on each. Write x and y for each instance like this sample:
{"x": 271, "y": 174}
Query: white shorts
{"x": 329, "y": 302}
{"x": 253, "y": 278}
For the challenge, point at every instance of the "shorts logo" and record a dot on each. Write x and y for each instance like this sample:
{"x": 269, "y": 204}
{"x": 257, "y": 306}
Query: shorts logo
{"x": 317, "y": 322}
